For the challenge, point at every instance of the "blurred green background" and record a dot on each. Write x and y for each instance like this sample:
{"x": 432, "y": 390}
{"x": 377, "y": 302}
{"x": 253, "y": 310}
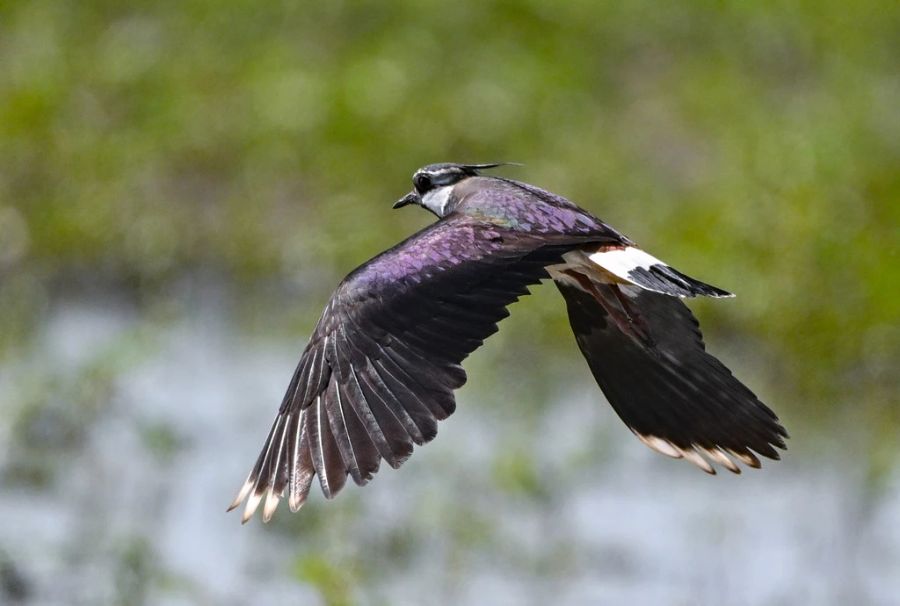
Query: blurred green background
{"x": 170, "y": 158}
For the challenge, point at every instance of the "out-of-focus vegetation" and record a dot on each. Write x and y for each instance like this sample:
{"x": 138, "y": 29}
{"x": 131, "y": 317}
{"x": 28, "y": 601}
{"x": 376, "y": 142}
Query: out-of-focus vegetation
{"x": 259, "y": 145}
{"x": 754, "y": 144}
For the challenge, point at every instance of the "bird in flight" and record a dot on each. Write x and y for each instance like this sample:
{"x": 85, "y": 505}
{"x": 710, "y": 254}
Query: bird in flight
{"x": 382, "y": 364}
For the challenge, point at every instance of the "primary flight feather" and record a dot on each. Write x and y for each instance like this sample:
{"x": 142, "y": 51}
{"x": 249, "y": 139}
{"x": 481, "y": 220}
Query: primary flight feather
{"x": 382, "y": 364}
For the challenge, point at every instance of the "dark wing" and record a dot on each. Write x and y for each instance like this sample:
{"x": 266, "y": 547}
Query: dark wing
{"x": 381, "y": 366}
{"x": 653, "y": 368}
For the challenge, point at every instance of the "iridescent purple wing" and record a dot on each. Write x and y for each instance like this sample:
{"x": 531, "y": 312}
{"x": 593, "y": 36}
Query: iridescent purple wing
{"x": 382, "y": 364}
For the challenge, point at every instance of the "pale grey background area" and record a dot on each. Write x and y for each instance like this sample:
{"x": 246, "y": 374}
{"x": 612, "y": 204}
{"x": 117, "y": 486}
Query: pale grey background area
{"x": 137, "y": 511}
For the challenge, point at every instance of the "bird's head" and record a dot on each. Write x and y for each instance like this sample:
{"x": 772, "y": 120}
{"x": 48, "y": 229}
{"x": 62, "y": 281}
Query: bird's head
{"x": 434, "y": 185}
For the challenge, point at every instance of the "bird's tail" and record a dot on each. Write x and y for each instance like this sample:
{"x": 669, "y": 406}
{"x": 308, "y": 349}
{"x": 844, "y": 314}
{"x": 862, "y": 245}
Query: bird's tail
{"x": 632, "y": 265}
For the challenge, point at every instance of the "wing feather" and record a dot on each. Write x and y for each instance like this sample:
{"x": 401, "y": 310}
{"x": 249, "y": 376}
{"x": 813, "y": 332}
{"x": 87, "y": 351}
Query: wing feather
{"x": 375, "y": 387}
{"x": 674, "y": 395}
{"x": 338, "y": 420}
{"x": 368, "y": 457}
{"x": 302, "y": 469}
{"x": 381, "y": 367}
{"x": 421, "y": 416}
{"x": 316, "y": 448}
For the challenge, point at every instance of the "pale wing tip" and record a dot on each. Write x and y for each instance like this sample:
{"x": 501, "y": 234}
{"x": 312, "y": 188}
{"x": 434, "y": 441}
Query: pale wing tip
{"x": 695, "y": 454}
{"x": 296, "y": 501}
{"x": 241, "y": 495}
{"x": 252, "y": 504}
{"x": 694, "y": 457}
{"x": 719, "y": 457}
{"x": 747, "y": 458}
{"x": 272, "y": 500}
{"x": 660, "y": 445}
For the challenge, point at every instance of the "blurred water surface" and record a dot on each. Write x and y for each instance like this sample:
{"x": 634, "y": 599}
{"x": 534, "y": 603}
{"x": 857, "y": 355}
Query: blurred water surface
{"x": 509, "y": 505}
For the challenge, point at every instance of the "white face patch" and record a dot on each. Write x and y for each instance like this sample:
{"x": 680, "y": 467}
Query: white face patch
{"x": 436, "y": 199}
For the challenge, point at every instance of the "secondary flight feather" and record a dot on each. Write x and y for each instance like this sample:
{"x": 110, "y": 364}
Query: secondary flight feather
{"x": 382, "y": 363}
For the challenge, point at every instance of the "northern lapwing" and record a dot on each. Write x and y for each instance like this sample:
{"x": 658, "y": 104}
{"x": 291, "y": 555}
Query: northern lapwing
{"x": 383, "y": 361}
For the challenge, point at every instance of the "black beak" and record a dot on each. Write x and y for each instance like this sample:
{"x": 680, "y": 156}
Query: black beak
{"x": 410, "y": 198}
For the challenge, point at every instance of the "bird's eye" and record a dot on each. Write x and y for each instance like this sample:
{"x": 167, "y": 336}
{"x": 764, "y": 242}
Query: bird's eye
{"x": 422, "y": 183}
